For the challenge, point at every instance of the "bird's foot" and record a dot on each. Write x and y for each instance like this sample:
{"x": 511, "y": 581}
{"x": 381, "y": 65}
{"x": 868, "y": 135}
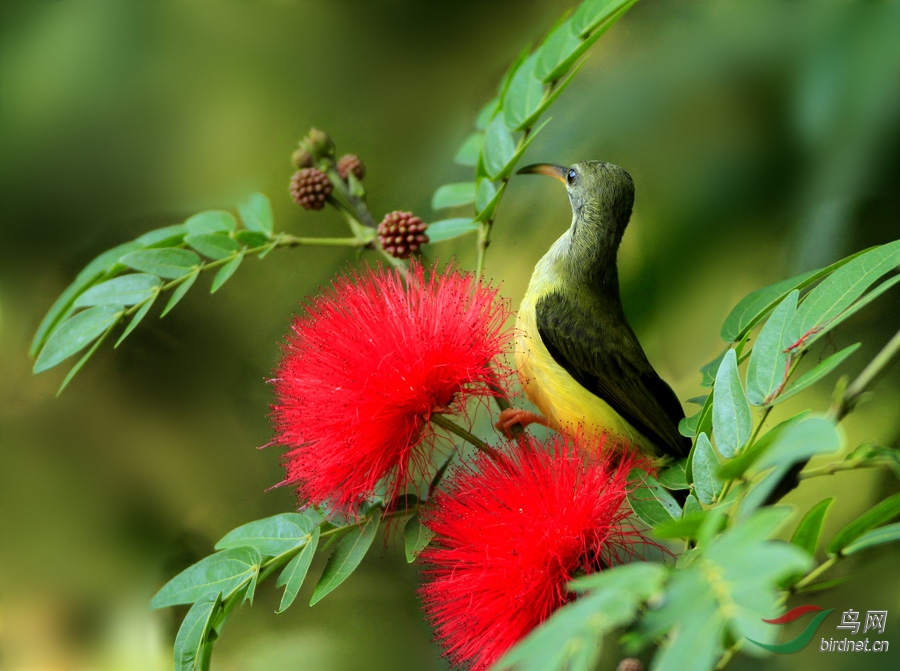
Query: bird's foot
{"x": 516, "y": 416}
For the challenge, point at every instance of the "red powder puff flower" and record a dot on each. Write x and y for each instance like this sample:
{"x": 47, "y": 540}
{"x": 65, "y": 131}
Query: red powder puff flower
{"x": 367, "y": 365}
{"x": 511, "y": 533}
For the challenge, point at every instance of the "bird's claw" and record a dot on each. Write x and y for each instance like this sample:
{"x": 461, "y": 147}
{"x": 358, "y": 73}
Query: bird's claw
{"x": 512, "y": 417}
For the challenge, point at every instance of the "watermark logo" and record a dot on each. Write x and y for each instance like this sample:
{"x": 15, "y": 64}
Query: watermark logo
{"x": 874, "y": 621}
{"x": 805, "y": 636}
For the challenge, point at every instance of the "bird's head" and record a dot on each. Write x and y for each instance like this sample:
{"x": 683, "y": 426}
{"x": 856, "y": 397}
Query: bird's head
{"x": 601, "y": 195}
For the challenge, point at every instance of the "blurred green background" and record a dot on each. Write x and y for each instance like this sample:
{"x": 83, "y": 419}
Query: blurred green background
{"x": 763, "y": 140}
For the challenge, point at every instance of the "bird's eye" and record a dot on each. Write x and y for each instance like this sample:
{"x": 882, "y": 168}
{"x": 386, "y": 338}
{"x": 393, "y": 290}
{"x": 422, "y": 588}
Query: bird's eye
{"x": 570, "y": 177}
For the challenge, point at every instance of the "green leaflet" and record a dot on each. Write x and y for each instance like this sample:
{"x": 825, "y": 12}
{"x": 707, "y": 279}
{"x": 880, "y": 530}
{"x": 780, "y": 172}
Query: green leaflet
{"x": 347, "y": 556}
{"x": 76, "y": 333}
{"x": 294, "y": 573}
{"x": 222, "y": 573}
{"x": 194, "y": 631}
{"x": 732, "y": 423}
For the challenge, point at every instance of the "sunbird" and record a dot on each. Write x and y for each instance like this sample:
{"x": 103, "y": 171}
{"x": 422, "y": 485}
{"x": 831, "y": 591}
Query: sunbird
{"x": 577, "y": 357}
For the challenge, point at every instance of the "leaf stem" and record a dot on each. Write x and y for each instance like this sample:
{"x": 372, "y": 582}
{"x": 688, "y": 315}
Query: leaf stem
{"x": 355, "y": 210}
{"x": 815, "y": 573}
{"x": 831, "y": 469}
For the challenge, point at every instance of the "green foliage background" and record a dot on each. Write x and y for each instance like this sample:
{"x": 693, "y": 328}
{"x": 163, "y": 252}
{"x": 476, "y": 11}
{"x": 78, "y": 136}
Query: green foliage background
{"x": 763, "y": 141}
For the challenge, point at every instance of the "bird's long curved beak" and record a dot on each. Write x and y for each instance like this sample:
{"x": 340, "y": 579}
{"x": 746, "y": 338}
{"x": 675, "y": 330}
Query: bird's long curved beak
{"x": 549, "y": 169}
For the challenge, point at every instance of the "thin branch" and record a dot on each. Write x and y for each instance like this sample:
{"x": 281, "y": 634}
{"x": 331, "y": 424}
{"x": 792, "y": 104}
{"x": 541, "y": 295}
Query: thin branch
{"x": 868, "y": 377}
{"x": 467, "y": 436}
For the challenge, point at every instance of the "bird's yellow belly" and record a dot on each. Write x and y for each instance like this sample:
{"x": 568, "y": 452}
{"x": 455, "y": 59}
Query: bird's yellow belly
{"x": 561, "y": 399}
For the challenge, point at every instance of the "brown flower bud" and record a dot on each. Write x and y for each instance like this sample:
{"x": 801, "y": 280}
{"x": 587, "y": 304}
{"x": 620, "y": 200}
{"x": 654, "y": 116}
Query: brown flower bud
{"x": 351, "y": 163}
{"x": 401, "y": 234}
{"x": 310, "y": 187}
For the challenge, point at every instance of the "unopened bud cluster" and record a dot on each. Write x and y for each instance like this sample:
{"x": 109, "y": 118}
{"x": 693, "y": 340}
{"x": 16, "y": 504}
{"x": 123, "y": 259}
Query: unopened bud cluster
{"x": 401, "y": 234}
{"x": 310, "y": 187}
{"x": 351, "y": 163}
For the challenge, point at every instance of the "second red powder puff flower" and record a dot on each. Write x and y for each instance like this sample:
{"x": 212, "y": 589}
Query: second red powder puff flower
{"x": 511, "y": 533}
{"x": 367, "y": 365}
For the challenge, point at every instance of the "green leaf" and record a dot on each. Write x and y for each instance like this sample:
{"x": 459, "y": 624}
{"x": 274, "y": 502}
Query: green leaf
{"x": 524, "y": 95}
{"x": 803, "y": 440}
{"x": 591, "y": 13}
{"x": 705, "y": 466}
{"x": 256, "y": 212}
{"x": 251, "y": 238}
{"x": 754, "y": 306}
{"x": 702, "y": 424}
{"x": 294, "y": 573}
{"x": 687, "y": 526}
{"x": 485, "y": 194}
{"x": 168, "y": 263}
{"x": 674, "y": 477}
{"x": 732, "y": 423}
{"x": 124, "y": 290}
{"x": 691, "y": 506}
{"x": 551, "y": 98}
{"x": 272, "y": 536}
{"x": 768, "y": 360}
{"x": 879, "y": 536}
{"x": 735, "y": 468}
{"x": 571, "y": 638}
{"x": 75, "y": 334}
{"x": 138, "y": 317}
{"x": 523, "y": 148}
{"x": 212, "y": 221}
{"x": 194, "y": 630}
{"x": 486, "y": 113}
{"x": 62, "y": 307}
{"x": 728, "y": 587}
{"x": 348, "y": 553}
{"x": 687, "y": 426}
{"x": 168, "y": 236}
{"x": 452, "y": 195}
{"x": 83, "y": 360}
{"x": 567, "y": 59}
{"x": 883, "y": 512}
{"x": 499, "y": 147}
{"x": 415, "y": 537}
{"x": 469, "y": 150}
{"x": 840, "y": 289}
{"x": 213, "y": 245}
{"x": 708, "y": 372}
{"x": 806, "y": 535}
{"x": 447, "y": 229}
{"x": 487, "y": 212}
{"x": 507, "y": 77}
{"x": 250, "y": 589}
{"x": 649, "y": 501}
{"x": 849, "y": 312}
{"x": 815, "y": 374}
{"x": 224, "y": 573}
{"x": 226, "y": 272}
{"x": 180, "y": 291}
{"x": 556, "y": 49}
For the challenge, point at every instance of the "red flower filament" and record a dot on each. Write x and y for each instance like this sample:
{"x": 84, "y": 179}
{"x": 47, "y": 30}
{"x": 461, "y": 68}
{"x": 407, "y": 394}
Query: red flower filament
{"x": 367, "y": 365}
{"x": 510, "y": 535}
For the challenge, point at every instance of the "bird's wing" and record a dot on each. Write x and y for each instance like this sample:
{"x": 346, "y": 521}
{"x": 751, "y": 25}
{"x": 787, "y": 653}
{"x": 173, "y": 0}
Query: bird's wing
{"x": 610, "y": 363}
